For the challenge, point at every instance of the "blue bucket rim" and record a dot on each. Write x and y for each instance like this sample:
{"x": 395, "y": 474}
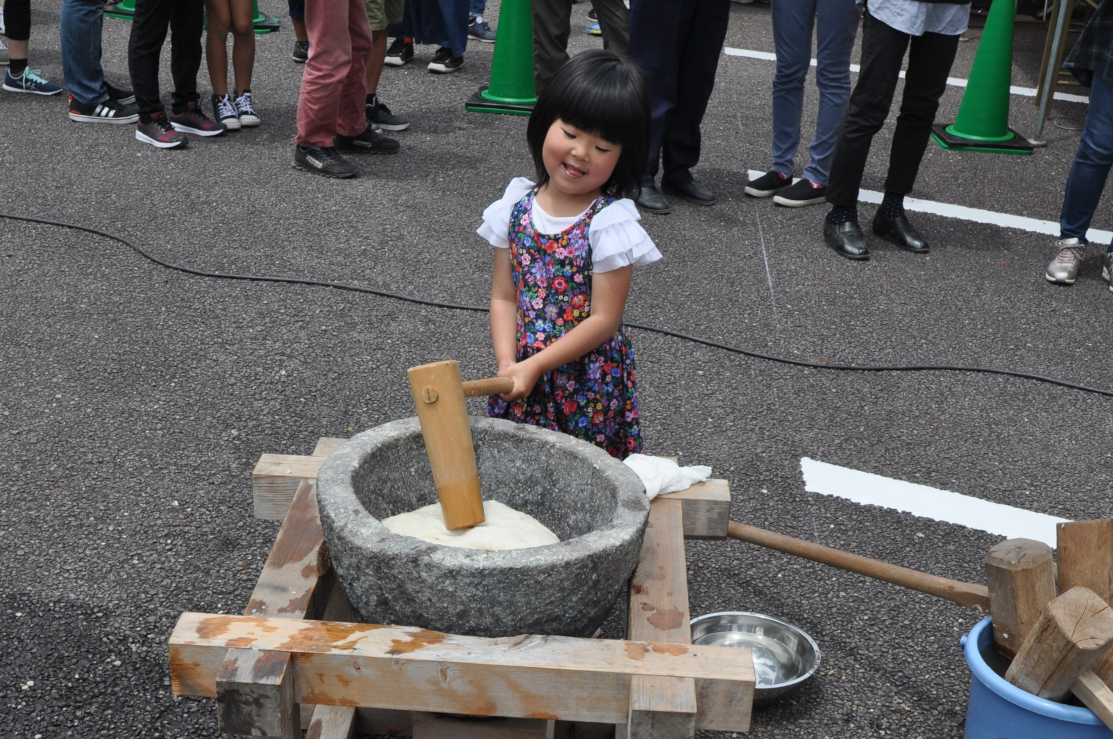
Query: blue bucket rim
{"x": 1010, "y": 692}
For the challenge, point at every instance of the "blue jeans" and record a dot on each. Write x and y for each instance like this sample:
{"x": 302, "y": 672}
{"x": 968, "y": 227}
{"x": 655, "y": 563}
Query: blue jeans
{"x": 1091, "y": 164}
{"x": 836, "y": 22}
{"x": 476, "y": 7}
{"x": 80, "y": 29}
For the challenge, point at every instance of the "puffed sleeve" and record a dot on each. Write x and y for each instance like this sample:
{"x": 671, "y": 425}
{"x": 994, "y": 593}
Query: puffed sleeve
{"x": 618, "y": 240}
{"x": 496, "y": 219}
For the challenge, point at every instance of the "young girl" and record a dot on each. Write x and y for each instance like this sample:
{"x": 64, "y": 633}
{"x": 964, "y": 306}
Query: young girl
{"x": 565, "y": 251}
{"x": 234, "y": 111}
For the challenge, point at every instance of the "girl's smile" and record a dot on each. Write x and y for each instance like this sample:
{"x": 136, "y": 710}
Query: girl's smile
{"x": 579, "y": 163}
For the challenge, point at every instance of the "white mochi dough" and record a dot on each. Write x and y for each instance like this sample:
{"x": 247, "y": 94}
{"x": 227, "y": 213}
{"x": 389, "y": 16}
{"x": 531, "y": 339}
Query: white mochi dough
{"x": 504, "y": 528}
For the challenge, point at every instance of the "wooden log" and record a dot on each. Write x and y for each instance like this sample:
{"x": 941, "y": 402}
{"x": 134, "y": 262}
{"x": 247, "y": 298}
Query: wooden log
{"x": 1095, "y": 695}
{"x": 411, "y": 669}
{"x": 1020, "y": 574}
{"x": 972, "y": 596}
{"x": 1085, "y": 553}
{"x": 706, "y": 509}
{"x": 1073, "y": 633}
{"x": 255, "y": 695}
{"x": 439, "y": 398}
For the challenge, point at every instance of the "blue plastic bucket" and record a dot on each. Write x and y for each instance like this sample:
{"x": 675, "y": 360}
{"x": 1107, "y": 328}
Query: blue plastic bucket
{"x": 1000, "y": 710}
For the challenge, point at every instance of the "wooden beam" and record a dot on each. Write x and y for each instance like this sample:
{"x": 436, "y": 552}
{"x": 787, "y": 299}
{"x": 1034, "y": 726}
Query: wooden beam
{"x": 440, "y": 726}
{"x": 411, "y": 669}
{"x": 327, "y": 445}
{"x": 255, "y": 695}
{"x": 332, "y": 722}
{"x": 706, "y": 509}
{"x": 1096, "y": 695}
{"x": 1020, "y": 574}
{"x": 1085, "y": 553}
{"x": 275, "y": 480}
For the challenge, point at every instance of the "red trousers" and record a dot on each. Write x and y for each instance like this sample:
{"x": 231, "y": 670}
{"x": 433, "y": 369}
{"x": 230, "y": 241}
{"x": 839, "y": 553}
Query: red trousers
{"x": 333, "y": 89}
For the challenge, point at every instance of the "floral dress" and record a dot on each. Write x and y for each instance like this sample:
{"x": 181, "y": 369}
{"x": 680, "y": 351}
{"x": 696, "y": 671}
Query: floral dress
{"x": 593, "y": 398}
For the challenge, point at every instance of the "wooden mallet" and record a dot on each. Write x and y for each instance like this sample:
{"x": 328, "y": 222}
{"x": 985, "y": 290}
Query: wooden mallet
{"x": 439, "y": 397}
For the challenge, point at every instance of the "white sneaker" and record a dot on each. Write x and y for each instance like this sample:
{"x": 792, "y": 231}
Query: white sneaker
{"x": 1063, "y": 269}
{"x": 248, "y": 117}
{"x": 225, "y": 112}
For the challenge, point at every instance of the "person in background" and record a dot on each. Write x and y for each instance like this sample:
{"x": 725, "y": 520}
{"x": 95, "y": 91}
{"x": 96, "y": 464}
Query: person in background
{"x": 381, "y": 14}
{"x": 301, "y": 38}
{"x": 552, "y": 25}
{"x": 836, "y": 24}
{"x": 18, "y": 77}
{"x": 929, "y": 31}
{"x": 234, "y": 111}
{"x": 92, "y": 98}
{"x": 677, "y": 44}
{"x": 440, "y": 22}
{"x": 478, "y": 28}
{"x": 1091, "y": 62}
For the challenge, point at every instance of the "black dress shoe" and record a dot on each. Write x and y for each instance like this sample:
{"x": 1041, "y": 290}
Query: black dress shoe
{"x": 902, "y": 233}
{"x": 691, "y": 192}
{"x": 652, "y": 200}
{"x": 847, "y": 239}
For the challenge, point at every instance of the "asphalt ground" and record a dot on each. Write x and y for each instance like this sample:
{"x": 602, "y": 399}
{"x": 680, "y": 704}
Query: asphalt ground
{"x": 135, "y": 401}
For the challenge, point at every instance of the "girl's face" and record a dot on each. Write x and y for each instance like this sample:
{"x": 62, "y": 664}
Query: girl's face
{"x": 578, "y": 162}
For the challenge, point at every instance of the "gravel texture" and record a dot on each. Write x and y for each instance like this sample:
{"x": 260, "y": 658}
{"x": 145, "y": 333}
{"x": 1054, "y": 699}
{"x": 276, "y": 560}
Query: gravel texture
{"x": 134, "y": 401}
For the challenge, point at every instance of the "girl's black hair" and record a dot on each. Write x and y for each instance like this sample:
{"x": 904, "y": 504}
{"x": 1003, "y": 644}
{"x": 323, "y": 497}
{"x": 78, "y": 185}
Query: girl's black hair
{"x": 599, "y": 93}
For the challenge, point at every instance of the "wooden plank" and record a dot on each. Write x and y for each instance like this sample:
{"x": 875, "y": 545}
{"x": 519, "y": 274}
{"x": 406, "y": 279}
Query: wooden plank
{"x": 706, "y": 509}
{"x": 1096, "y": 695}
{"x": 327, "y": 446}
{"x": 411, "y": 669}
{"x": 1020, "y": 574}
{"x": 1085, "y": 554}
{"x": 275, "y": 480}
{"x": 332, "y": 722}
{"x": 440, "y": 726}
{"x": 255, "y": 695}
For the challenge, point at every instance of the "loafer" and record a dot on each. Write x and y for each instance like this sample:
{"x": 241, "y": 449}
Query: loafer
{"x": 691, "y": 192}
{"x": 847, "y": 239}
{"x": 652, "y": 200}
{"x": 900, "y": 232}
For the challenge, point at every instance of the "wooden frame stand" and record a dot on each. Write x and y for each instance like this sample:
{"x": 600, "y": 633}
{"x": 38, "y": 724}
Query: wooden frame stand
{"x": 296, "y": 658}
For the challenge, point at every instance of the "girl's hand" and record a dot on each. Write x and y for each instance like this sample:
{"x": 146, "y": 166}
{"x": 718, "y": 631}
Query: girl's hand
{"x": 525, "y": 377}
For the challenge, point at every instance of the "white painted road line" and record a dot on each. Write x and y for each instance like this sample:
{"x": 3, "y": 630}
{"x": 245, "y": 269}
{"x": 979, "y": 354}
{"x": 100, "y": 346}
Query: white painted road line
{"x": 976, "y": 215}
{"x": 953, "y": 81}
{"x": 926, "y": 502}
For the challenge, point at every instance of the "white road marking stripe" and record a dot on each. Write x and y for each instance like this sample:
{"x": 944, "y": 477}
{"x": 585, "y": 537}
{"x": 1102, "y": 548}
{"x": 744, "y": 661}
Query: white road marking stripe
{"x": 977, "y": 215}
{"x": 927, "y": 502}
{"x": 953, "y": 81}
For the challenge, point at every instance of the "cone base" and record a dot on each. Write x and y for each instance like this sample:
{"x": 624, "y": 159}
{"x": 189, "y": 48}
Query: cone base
{"x": 1017, "y": 144}
{"x": 265, "y": 24}
{"x": 479, "y": 104}
{"x": 124, "y": 14}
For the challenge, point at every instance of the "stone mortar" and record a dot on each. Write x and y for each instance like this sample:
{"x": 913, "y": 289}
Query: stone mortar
{"x": 594, "y": 503}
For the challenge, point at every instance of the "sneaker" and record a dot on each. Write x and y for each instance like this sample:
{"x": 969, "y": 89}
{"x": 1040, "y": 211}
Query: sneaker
{"x": 380, "y": 117}
{"x": 158, "y": 132}
{"x": 367, "y": 142}
{"x": 119, "y": 95}
{"x": 326, "y": 162}
{"x": 444, "y": 63}
{"x": 804, "y": 192}
{"x": 1063, "y": 269}
{"x": 768, "y": 184}
{"x": 5, "y": 55}
{"x": 193, "y": 120}
{"x": 224, "y": 110}
{"x": 399, "y": 53}
{"x": 301, "y": 52}
{"x": 594, "y": 30}
{"x": 1107, "y": 268}
{"x": 109, "y": 111}
{"x": 31, "y": 82}
{"x": 481, "y": 32}
{"x": 248, "y": 117}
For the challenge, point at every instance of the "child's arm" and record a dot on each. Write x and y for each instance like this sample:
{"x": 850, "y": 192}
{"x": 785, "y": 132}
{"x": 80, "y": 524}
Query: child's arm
{"x": 504, "y": 312}
{"x": 609, "y": 291}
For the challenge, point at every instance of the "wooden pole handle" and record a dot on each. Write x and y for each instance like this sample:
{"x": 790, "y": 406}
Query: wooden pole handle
{"x": 967, "y": 594}
{"x": 490, "y": 386}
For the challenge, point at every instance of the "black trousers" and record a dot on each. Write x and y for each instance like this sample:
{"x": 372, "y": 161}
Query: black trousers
{"x": 552, "y": 25}
{"x": 17, "y": 19}
{"x": 185, "y": 18}
{"x": 929, "y": 63}
{"x": 677, "y": 44}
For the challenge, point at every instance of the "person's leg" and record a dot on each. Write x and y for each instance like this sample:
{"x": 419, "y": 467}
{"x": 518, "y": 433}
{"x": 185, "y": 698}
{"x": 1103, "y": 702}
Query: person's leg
{"x": 148, "y": 32}
{"x": 551, "y": 28}
{"x": 17, "y": 29}
{"x": 375, "y": 61}
{"x": 654, "y": 49}
{"x": 326, "y": 23}
{"x": 218, "y": 24}
{"x": 882, "y": 53}
{"x": 186, "y": 24}
{"x": 299, "y": 30}
{"x": 476, "y": 8}
{"x": 1090, "y": 169}
{"x": 614, "y": 22}
{"x": 80, "y": 31}
{"x": 243, "y": 43}
{"x": 792, "y": 38}
{"x": 455, "y": 14}
{"x": 351, "y": 117}
{"x": 836, "y": 28}
{"x": 701, "y": 44}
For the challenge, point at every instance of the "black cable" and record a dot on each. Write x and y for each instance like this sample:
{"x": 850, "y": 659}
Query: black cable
{"x": 642, "y": 327}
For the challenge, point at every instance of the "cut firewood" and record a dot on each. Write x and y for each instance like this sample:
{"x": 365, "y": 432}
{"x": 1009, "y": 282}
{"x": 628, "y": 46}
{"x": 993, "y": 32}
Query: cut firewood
{"x": 1021, "y": 578}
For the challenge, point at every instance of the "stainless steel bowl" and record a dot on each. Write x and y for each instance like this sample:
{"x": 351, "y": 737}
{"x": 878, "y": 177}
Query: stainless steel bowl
{"x": 784, "y": 656}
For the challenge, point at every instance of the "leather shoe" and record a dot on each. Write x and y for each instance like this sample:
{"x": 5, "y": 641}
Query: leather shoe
{"x": 902, "y": 233}
{"x": 691, "y": 192}
{"x": 652, "y": 200}
{"x": 846, "y": 239}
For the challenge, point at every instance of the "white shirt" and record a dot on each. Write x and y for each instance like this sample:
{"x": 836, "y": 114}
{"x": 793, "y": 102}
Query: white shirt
{"x": 917, "y": 18}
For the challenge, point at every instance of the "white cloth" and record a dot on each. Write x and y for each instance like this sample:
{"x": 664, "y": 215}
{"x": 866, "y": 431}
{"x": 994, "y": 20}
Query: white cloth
{"x": 662, "y": 476}
{"x": 503, "y": 529}
{"x": 616, "y": 238}
{"x": 916, "y": 18}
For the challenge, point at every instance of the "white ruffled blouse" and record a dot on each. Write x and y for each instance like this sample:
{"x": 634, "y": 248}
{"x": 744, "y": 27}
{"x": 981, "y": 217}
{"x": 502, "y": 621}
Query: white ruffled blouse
{"x": 617, "y": 240}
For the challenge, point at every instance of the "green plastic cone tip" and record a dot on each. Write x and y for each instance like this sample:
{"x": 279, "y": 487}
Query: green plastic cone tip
{"x": 511, "y": 89}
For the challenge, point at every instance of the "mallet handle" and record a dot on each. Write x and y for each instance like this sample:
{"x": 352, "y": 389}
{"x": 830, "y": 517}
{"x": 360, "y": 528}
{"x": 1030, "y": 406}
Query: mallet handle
{"x": 490, "y": 386}
{"x": 967, "y": 594}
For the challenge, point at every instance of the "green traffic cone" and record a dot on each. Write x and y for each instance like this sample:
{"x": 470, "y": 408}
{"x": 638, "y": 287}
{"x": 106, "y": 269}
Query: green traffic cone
{"x": 511, "y": 89}
{"x": 262, "y": 23}
{"x": 124, "y": 10}
{"x": 983, "y": 116}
